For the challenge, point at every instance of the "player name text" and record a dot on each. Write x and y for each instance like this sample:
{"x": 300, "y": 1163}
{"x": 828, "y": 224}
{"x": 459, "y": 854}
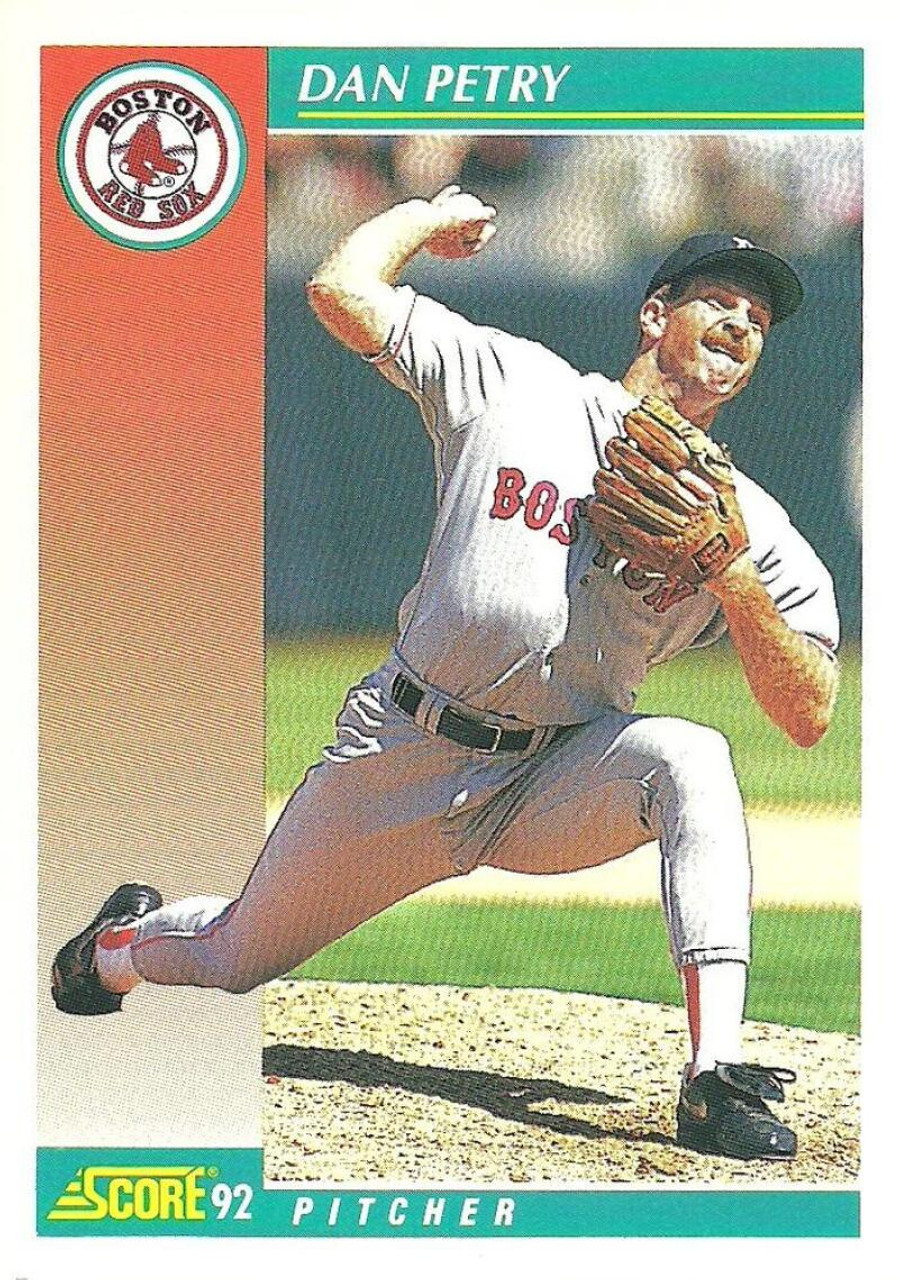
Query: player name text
{"x": 465, "y": 83}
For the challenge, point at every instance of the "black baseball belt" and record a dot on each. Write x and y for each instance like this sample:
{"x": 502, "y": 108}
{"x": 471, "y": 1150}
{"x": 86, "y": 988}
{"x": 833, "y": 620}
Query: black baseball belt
{"x": 466, "y": 730}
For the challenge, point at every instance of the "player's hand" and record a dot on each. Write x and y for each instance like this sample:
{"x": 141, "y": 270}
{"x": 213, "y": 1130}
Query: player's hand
{"x": 464, "y": 224}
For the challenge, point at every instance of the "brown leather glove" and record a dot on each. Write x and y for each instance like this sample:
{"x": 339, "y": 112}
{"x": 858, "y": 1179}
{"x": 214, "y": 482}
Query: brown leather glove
{"x": 668, "y": 503}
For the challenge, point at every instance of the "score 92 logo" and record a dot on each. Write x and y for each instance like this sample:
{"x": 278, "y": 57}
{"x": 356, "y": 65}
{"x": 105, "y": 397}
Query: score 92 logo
{"x": 537, "y": 504}
{"x": 232, "y": 1202}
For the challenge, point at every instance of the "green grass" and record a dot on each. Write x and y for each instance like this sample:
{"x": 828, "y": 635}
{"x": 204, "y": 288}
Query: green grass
{"x": 306, "y": 683}
{"x": 805, "y": 970}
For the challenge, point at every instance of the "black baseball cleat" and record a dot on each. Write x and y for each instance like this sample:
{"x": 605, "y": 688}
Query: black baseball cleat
{"x": 75, "y": 986}
{"x": 724, "y": 1112}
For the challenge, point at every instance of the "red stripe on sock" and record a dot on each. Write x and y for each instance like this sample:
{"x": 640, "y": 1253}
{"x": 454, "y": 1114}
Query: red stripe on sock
{"x": 691, "y": 995}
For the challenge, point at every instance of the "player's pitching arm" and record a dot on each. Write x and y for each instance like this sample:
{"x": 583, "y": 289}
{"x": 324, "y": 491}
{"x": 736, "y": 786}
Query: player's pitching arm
{"x": 352, "y": 291}
{"x": 791, "y": 678}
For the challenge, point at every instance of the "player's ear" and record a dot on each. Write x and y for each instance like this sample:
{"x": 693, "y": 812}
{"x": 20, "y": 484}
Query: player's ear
{"x": 653, "y": 318}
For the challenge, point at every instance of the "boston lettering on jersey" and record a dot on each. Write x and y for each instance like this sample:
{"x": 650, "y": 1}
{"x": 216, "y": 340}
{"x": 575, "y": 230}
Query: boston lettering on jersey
{"x": 538, "y": 505}
{"x": 664, "y": 593}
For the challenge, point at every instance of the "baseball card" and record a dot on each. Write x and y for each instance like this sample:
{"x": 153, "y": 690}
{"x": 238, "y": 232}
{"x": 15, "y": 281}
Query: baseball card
{"x": 449, "y": 641}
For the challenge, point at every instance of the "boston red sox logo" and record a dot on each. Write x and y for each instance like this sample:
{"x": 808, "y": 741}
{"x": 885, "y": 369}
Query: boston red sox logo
{"x": 152, "y": 155}
{"x": 146, "y": 161}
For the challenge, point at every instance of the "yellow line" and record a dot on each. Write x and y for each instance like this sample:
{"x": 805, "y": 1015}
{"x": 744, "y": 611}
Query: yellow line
{"x": 582, "y": 115}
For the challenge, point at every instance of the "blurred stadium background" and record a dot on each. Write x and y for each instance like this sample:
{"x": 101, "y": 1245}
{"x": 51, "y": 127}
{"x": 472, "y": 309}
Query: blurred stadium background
{"x": 349, "y": 505}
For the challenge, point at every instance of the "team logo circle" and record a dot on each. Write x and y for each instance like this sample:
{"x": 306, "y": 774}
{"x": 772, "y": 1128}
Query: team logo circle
{"x": 152, "y": 155}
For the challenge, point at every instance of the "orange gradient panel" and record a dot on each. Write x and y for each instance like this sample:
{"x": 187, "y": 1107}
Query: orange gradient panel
{"x": 151, "y": 618}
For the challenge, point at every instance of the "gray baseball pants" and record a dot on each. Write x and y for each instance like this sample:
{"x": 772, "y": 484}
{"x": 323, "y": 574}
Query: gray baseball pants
{"x": 393, "y": 808}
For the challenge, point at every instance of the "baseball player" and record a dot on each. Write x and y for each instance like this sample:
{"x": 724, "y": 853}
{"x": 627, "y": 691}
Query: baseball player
{"x": 501, "y": 729}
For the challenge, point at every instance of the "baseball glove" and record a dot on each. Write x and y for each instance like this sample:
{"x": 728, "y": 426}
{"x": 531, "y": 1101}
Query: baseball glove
{"x": 668, "y": 504}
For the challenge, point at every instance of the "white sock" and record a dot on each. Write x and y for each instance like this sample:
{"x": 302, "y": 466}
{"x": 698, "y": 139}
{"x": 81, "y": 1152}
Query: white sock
{"x": 715, "y": 994}
{"x": 112, "y": 956}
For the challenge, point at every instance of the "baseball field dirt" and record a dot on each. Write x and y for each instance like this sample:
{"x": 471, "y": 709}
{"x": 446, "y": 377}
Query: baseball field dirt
{"x": 449, "y": 1086}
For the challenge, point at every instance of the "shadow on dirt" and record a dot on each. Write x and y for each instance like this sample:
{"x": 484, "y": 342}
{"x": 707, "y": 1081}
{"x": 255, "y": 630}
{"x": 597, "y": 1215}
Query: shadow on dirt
{"x": 507, "y": 1097}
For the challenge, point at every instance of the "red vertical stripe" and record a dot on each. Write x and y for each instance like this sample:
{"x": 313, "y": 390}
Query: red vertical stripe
{"x": 690, "y": 974}
{"x": 151, "y": 593}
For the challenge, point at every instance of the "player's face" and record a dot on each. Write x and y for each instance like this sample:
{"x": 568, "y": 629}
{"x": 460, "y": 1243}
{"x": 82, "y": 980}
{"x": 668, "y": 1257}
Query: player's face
{"x": 713, "y": 338}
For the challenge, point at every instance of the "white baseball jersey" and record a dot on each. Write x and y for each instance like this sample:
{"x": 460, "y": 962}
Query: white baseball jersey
{"x": 519, "y": 611}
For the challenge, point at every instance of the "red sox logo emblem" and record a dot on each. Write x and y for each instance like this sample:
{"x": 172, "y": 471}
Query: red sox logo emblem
{"x": 146, "y": 161}
{"x": 152, "y": 155}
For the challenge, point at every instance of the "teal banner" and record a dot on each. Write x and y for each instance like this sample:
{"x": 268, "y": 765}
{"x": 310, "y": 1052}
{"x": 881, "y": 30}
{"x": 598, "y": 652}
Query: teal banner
{"x": 559, "y": 89}
{"x": 170, "y": 1192}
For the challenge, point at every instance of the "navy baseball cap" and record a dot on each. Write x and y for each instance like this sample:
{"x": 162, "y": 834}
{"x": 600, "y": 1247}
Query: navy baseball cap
{"x": 719, "y": 254}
